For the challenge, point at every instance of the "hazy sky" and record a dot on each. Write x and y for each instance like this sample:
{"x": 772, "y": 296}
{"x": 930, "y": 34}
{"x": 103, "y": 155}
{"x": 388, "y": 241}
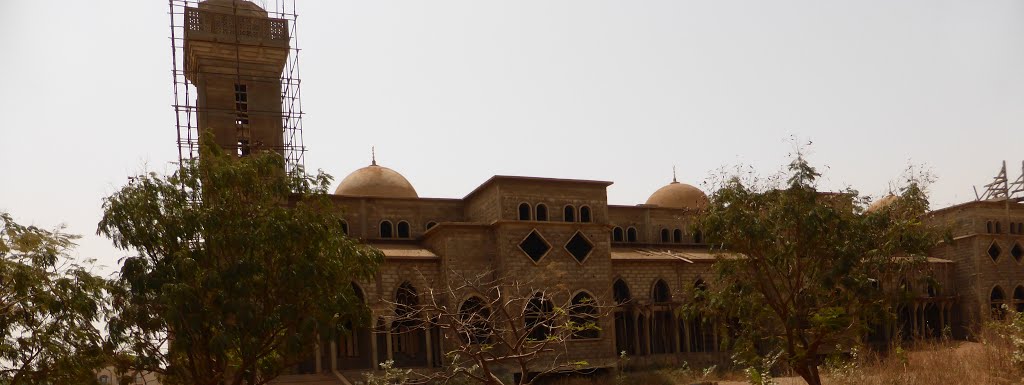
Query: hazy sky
{"x": 452, "y": 92}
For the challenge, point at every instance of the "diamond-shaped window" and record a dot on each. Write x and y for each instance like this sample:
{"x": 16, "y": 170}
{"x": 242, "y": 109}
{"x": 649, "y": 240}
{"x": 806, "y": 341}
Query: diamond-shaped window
{"x": 994, "y": 251}
{"x": 579, "y": 246}
{"x": 534, "y": 246}
{"x": 1017, "y": 251}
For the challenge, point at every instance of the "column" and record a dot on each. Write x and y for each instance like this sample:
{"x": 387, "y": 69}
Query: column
{"x": 430, "y": 351}
{"x": 334, "y": 355}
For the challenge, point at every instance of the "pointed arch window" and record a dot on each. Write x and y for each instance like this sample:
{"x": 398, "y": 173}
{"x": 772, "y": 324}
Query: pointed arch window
{"x": 661, "y": 293}
{"x": 996, "y": 300}
{"x": 620, "y": 292}
{"x": 538, "y": 317}
{"x": 1018, "y": 299}
{"x": 386, "y": 229}
{"x": 475, "y": 320}
{"x": 583, "y": 315}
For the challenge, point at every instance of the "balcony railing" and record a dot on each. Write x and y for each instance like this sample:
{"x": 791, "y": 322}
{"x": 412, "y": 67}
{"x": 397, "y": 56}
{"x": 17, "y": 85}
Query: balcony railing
{"x": 204, "y": 23}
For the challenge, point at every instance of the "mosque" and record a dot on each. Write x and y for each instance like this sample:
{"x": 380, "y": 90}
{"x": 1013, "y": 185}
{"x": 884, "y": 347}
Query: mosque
{"x": 637, "y": 259}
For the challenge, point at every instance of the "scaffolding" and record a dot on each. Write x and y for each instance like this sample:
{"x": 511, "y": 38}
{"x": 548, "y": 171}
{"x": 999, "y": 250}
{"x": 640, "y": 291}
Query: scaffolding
{"x": 242, "y": 32}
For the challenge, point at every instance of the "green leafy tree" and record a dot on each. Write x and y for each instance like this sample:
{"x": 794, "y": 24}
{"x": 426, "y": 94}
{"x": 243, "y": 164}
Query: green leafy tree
{"x": 803, "y": 270}
{"x": 238, "y": 269}
{"x": 48, "y": 306}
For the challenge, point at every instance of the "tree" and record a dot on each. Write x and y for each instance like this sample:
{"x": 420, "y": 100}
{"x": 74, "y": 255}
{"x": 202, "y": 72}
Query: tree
{"x": 802, "y": 277}
{"x": 501, "y": 324}
{"x": 238, "y": 269}
{"x": 48, "y": 306}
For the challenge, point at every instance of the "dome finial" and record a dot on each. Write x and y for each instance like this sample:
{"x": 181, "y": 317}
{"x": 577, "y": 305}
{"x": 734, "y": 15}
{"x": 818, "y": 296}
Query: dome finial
{"x": 373, "y": 155}
{"x": 674, "y": 174}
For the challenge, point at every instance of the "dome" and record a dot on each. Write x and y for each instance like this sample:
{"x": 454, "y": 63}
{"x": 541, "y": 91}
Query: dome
{"x": 678, "y": 196}
{"x": 881, "y": 203}
{"x": 244, "y": 7}
{"x": 376, "y": 181}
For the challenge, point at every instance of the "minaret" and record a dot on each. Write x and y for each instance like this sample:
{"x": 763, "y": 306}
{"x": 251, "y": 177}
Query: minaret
{"x": 234, "y": 55}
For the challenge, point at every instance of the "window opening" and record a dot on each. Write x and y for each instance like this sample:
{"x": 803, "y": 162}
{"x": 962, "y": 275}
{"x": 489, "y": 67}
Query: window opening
{"x": 474, "y": 316}
{"x": 542, "y": 212}
{"x": 617, "y": 235}
{"x": 698, "y": 237}
{"x": 431, "y": 225}
{"x": 664, "y": 236}
{"x": 620, "y": 291}
{"x": 524, "y": 211}
{"x": 386, "y": 230}
{"x": 1017, "y": 251}
{"x": 631, "y": 234}
{"x": 996, "y": 300}
{"x": 677, "y": 236}
{"x": 344, "y": 227}
{"x": 579, "y": 247}
{"x": 994, "y": 251}
{"x": 569, "y": 213}
{"x": 534, "y": 246}
{"x": 585, "y": 214}
{"x": 538, "y": 317}
{"x": 661, "y": 292}
{"x": 1018, "y": 299}
{"x": 583, "y": 316}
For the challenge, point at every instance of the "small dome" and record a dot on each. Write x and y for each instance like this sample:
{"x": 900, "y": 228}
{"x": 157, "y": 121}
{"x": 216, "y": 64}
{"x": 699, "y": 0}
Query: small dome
{"x": 376, "y": 181}
{"x": 678, "y": 196}
{"x": 242, "y": 7}
{"x": 881, "y": 203}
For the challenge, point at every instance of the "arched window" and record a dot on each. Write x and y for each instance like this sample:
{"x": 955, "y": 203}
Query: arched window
{"x": 664, "y": 236}
{"x": 617, "y": 235}
{"x": 358, "y": 292}
{"x": 932, "y": 290}
{"x": 583, "y": 315}
{"x": 999, "y": 227}
{"x": 104, "y": 380}
{"x": 386, "y": 230}
{"x": 698, "y": 237}
{"x": 620, "y": 291}
{"x": 677, "y": 236}
{"x": 409, "y": 339}
{"x": 631, "y": 234}
{"x": 1018, "y": 299}
{"x": 661, "y": 293}
{"x": 406, "y": 299}
{"x": 569, "y": 213}
{"x": 905, "y": 286}
{"x": 474, "y": 321}
{"x": 988, "y": 227}
{"x": 344, "y": 227}
{"x": 997, "y": 299}
{"x": 524, "y": 211}
{"x": 403, "y": 229}
{"x": 542, "y": 212}
{"x": 585, "y": 214}
{"x": 431, "y": 225}
{"x": 538, "y": 317}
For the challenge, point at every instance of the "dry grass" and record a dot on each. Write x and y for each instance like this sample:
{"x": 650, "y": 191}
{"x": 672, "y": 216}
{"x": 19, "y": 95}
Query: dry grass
{"x": 934, "y": 363}
{"x": 990, "y": 362}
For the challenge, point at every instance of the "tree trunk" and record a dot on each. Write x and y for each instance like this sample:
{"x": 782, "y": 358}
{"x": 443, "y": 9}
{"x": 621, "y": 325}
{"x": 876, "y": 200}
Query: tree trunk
{"x": 809, "y": 372}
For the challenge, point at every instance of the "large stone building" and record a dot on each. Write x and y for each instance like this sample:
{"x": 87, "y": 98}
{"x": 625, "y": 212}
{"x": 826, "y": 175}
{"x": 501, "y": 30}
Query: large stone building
{"x": 638, "y": 259}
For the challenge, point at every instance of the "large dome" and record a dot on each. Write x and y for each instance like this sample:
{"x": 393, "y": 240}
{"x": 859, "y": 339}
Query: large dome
{"x": 678, "y": 196}
{"x": 376, "y": 181}
{"x": 241, "y": 7}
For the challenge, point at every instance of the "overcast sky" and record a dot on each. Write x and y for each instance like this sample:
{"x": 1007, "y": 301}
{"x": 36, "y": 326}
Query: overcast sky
{"x": 452, "y": 92}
